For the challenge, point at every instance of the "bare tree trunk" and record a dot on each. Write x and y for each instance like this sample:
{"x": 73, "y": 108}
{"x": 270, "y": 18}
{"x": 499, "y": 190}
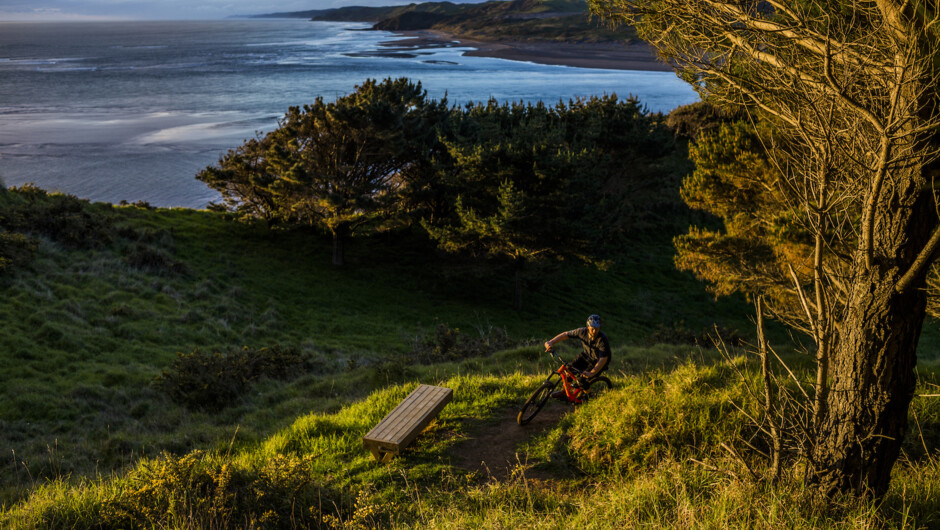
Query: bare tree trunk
{"x": 338, "y": 240}
{"x": 770, "y": 409}
{"x": 872, "y": 368}
{"x": 823, "y": 335}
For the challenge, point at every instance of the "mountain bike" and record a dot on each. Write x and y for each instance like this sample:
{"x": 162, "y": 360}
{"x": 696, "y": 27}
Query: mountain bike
{"x": 576, "y": 390}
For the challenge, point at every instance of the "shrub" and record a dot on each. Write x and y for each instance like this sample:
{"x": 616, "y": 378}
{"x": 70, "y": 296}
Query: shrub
{"x": 15, "y": 249}
{"x": 145, "y": 257}
{"x": 450, "y": 344}
{"x": 63, "y": 218}
{"x": 213, "y": 381}
{"x": 197, "y": 491}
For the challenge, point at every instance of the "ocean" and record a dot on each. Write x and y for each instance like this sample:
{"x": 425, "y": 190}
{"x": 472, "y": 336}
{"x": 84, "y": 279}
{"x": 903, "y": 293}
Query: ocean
{"x": 133, "y": 110}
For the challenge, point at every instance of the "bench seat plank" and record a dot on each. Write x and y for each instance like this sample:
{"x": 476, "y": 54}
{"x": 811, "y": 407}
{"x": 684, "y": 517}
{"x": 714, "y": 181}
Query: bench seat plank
{"x": 403, "y": 424}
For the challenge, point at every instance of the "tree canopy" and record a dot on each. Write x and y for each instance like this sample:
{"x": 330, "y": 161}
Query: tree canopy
{"x": 498, "y": 185}
{"x": 333, "y": 165}
{"x": 531, "y": 183}
{"x": 843, "y": 99}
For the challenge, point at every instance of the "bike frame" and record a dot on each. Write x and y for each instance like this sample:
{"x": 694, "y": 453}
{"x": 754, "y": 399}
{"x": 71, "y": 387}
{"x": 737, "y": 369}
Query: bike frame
{"x": 568, "y": 377}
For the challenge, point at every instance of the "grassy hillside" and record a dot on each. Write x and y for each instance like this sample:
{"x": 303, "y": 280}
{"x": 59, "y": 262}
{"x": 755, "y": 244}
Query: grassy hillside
{"x": 87, "y": 328}
{"x": 647, "y": 454}
{"x": 107, "y": 420}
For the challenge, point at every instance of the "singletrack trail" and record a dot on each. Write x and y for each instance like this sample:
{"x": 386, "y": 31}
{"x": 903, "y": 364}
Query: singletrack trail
{"x": 492, "y": 449}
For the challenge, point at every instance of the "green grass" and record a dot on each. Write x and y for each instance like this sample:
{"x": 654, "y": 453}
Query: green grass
{"x": 85, "y": 331}
{"x": 596, "y": 468}
{"x": 91, "y": 441}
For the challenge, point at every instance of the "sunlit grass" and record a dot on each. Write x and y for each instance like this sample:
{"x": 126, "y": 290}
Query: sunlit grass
{"x": 606, "y": 473}
{"x": 87, "y": 434}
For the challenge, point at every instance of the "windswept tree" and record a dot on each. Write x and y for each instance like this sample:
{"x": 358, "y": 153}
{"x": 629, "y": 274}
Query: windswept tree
{"x": 338, "y": 166}
{"x": 504, "y": 232}
{"x": 532, "y": 183}
{"x": 513, "y": 181}
{"x": 846, "y": 94}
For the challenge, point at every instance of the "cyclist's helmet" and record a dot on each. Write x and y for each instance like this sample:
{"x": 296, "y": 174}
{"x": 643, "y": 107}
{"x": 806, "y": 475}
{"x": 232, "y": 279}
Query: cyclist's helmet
{"x": 594, "y": 321}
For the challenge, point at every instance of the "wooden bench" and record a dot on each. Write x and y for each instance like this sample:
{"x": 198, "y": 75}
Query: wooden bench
{"x": 403, "y": 424}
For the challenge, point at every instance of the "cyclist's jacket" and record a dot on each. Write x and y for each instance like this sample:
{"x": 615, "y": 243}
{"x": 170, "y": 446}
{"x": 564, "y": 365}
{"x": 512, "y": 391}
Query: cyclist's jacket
{"x": 596, "y": 352}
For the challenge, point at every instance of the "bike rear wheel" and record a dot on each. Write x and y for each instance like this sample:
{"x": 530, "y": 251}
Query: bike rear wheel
{"x": 599, "y": 386}
{"x": 534, "y": 404}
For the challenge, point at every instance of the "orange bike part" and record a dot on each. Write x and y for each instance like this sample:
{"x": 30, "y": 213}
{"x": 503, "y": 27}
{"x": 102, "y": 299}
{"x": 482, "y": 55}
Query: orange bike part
{"x": 571, "y": 393}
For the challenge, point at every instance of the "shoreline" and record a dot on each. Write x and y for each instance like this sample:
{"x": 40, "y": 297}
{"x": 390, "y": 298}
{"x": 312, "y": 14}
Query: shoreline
{"x": 608, "y": 56}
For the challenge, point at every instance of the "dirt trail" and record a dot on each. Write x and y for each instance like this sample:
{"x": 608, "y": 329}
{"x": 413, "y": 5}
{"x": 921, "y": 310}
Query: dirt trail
{"x": 491, "y": 449}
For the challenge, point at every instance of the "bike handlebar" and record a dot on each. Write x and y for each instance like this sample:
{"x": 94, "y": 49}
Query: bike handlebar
{"x": 558, "y": 358}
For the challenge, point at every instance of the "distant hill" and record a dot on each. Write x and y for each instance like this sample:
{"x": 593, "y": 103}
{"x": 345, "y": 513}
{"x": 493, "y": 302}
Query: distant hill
{"x": 518, "y": 20}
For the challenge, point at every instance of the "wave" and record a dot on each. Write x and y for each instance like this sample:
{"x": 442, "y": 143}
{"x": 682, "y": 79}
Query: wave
{"x": 341, "y": 35}
{"x": 154, "y": 47}
{"x": 166, "y": 66}
{"x": 43, "y": 61}
{"x": 219, "y": 133}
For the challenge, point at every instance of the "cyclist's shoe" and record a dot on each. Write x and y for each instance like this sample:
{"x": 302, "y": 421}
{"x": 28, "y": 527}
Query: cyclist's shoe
{"x": 560, "y": 395}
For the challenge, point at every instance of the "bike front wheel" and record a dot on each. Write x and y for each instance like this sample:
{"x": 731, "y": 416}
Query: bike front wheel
{"x": 534, "y": 404}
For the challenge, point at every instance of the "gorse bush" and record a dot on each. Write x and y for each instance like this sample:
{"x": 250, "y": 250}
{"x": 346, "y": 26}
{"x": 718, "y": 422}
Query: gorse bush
{"x": 30, "y": 211}
{"x": 213, "y": 381}
{"x": 445, "y": 343}
{"x": 15, "y": 250}
{"x": 62, "y": 218}
{"x": 202, "y": 491}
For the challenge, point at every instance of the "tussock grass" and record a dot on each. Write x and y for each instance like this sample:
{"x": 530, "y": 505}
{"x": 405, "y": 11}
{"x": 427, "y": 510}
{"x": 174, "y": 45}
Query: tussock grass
{"x": 87, "y": 325}
{"x": 644, "y": 455}
{"x": 91, "y": 441}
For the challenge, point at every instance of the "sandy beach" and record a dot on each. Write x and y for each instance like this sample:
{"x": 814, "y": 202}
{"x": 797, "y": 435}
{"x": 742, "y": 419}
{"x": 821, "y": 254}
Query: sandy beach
{"x": 639, "y": 56}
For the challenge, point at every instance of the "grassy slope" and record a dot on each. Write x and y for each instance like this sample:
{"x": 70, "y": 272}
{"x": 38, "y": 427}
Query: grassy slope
{"x": 84, "y": 334}
{"x": 647, "y": 454}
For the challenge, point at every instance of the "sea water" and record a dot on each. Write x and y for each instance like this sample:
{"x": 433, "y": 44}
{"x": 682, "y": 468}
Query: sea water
{"x": 133, "y": 110}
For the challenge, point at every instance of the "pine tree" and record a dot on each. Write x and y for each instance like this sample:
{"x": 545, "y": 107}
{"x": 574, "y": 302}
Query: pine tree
{"x": 338, "y": 166}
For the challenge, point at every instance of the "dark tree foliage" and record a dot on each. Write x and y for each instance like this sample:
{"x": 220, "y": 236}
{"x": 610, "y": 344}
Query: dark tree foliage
{"x": 337, "y": 166}
{"x": 762, "y": 235}
{"x": 511, "y": 184}
{"x": 533, "y": 182}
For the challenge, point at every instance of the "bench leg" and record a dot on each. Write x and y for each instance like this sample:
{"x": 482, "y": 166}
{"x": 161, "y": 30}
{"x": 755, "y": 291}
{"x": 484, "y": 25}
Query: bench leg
{"x": 382, "y": 456}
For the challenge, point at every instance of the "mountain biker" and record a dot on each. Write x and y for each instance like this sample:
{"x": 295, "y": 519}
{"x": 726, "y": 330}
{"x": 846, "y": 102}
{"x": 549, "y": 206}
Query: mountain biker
{"x": 595, "y": 353}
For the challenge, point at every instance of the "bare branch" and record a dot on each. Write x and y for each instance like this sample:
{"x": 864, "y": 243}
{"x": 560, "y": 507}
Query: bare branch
{"x": 893, "y": 14}
{"x": 868, "y": 215}
{"x": 803, "y": 301}
{"x": 920, "y": 264}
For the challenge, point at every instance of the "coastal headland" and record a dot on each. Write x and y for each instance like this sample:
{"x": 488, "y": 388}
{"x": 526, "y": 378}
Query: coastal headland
{"x": 553, "y": 32}
{"x": 605, "y": 55}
